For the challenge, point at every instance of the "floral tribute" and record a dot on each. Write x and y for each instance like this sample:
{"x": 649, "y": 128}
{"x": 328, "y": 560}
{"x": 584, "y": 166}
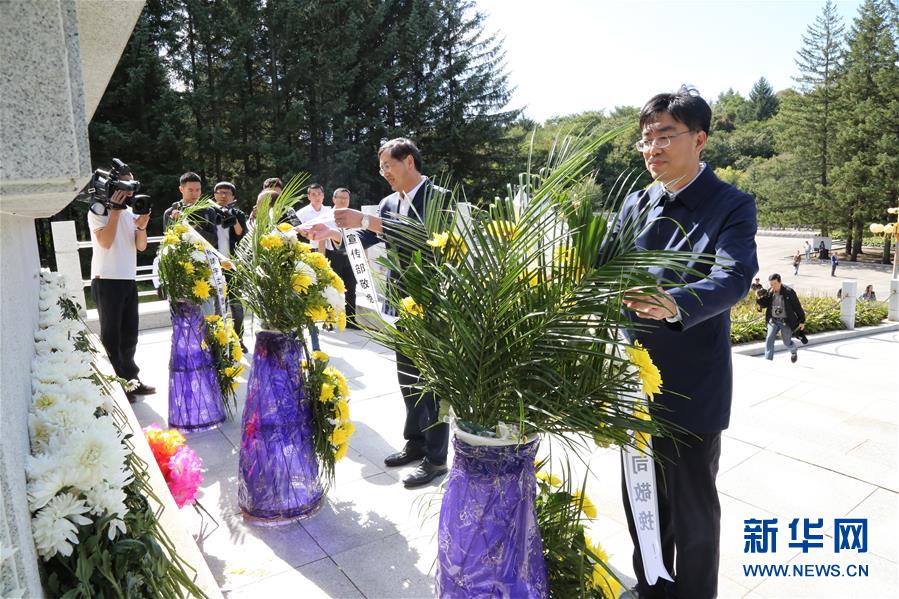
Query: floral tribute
{"x": 183, "y": 267}
{"x": 332, "y": 427}
{"x": 223, "y": 343}
{"x": 88, "y": 492}
{"x": 180, "y": 465}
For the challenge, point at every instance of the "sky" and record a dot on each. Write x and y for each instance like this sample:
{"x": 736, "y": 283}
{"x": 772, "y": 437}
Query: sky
{"x": 566, "y": 56}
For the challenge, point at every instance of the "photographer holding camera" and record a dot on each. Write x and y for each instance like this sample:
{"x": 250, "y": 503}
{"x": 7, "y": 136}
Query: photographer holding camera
{"x": 231, "y": 226}
{"x": 191, "y": 187}
{"x": 117, "y": 234}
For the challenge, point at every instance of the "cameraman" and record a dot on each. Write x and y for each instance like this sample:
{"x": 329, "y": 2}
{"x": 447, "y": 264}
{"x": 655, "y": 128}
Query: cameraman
{"x": 231, "y": 226}
{"x": 783, "y": 314}
{"x": 116, "y": 237}
{"x": 191, "y": 187}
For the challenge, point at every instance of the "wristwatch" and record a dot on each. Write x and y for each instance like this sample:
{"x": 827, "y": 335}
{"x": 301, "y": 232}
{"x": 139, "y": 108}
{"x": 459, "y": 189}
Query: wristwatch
{"x": 365, "y": 221}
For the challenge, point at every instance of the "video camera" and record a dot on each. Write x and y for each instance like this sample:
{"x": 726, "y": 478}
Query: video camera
{"x": 225, "y": 216}
{"x": 104, "y": 184}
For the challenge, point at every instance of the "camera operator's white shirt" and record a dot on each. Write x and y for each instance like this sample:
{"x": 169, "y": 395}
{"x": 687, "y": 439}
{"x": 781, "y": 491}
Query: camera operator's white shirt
{"x": 120, "y": 260}
{"x": 307, "y": 213}
{"x": 224, "y": 240}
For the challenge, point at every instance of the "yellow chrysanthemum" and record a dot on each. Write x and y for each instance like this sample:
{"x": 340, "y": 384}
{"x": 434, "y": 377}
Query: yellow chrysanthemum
{"x": 221, "y": 337}
{"x": 302, "y": 248}
{"x": 170, "y": 239}
{"x": 342, "y": 410}
{"x": 337, "y": 376}
{"x": 341, "y": 452}
{"x": 327, "y": 392}
{"x": 180, "y": 228}
{"x": 410, "y": 307}
{"x": 317, "y": 313}
{"x": 551, "y": 479}
{"x": 300, "y": 282}
{"x": 271, "y": 241}
{"x": 201, "y": 289}
{"x": 649, "y": 372}
{"x": 317, "y": 260}
{"x": 341, "y": 321}
{"x": 198, "y": 245}
{"x": 285, "y": 227}
{"x": 236, "y": 352}
{"x": 204, "y": 345}
{"x": 233, "y": 371}
{"x": 212, "y": 318}
{"x": 339, "y": 436}
{"x": 320, "y": 356}
{"x": 438, "y": 240}
{"x": 587, "y": 506}
{"x": 234, "y": 386}
{"x": 337, "y": 283}
{"x": 502, "y": 229}
{"x": 604, "y": 581}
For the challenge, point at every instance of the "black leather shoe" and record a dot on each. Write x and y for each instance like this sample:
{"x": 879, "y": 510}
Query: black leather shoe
{"x": 401, "y": 458}
{"x": 143, "y": 389}
{"x": 793, "y": 358}
{"x": 425, "y": 473}
{"x": 132, "y": 398}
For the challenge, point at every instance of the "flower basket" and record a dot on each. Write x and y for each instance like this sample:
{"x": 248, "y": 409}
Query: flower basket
{"x": 195, "y": 398}
{"x": 279, "y": 472}
{"x": 488, "y": 539}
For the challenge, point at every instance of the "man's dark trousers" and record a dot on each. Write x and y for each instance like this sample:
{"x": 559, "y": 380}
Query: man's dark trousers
{"x": 420, "y": 432}
{"x": 116, "y": 301}
{"x": 688, "y": 507}
{"x": 340, "y": 263}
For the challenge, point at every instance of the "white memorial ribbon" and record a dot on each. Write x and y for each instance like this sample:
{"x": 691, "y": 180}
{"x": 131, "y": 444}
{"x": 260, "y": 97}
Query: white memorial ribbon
{"x": 640, "y": 478}
{"x": 214, "y": 258}
{"x": 359, "y": 263}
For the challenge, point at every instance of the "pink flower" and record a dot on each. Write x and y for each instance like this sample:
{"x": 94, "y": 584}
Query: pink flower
{"x": 186, "y": 475}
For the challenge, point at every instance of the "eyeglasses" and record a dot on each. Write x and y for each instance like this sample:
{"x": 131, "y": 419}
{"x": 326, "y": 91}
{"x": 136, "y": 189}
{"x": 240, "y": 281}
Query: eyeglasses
{"x": 385, "y": 168}
{"x": 662, "y": 141}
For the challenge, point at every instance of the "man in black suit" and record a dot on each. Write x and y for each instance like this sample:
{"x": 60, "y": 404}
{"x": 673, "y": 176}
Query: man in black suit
{"x": 688, "y": 335}
{"x": 400, "y": 165}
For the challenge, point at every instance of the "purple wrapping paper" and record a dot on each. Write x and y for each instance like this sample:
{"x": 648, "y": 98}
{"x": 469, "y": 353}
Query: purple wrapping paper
{"x": 195, "y": 399}
{"x": 278, "y": 468}
{"x": 488, "y": 541}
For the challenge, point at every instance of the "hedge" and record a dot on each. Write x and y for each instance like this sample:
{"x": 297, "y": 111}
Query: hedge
{"x": 821, "y": 314}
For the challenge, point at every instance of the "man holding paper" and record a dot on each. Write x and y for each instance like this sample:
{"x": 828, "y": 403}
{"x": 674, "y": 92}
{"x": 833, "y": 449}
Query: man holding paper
{"x": 400, "y": 165}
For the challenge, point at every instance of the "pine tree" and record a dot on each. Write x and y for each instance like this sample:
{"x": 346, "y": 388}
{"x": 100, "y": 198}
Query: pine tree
{"x": 867, "y": 175}
{"x": 762, "y": 100}
{"x": 809, "y": 128}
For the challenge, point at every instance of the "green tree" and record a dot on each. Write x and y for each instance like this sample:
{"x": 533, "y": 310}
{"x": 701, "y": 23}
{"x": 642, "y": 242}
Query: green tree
{"x": 762, "y": 100}
{"x": 866, "y": 177}
{"x": 808, "y": 129}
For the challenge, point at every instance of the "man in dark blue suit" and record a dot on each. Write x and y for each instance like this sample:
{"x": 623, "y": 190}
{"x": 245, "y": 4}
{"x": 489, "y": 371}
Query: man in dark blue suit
{"x": 427, "y": 442}
{"x": 688, "y": 334}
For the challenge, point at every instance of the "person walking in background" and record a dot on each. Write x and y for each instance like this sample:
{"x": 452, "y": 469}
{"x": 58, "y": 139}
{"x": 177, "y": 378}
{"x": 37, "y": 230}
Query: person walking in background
{"x": 808, "y": 250}
{"x": 869, "y": 294}
{"x": 797, "y": 260}
{"x": 756, "y": 285}
{"x": 834, "y": 261}
{"x": 783, "y": 314}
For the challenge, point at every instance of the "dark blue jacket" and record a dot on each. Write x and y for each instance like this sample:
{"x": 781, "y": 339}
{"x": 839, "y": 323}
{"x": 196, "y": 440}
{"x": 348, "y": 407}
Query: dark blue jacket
{"x": 694, "y": 355}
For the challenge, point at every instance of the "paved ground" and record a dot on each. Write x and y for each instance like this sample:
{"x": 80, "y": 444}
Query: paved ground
{"x": 817, "y": 439}
{"x": 776, "y": 255}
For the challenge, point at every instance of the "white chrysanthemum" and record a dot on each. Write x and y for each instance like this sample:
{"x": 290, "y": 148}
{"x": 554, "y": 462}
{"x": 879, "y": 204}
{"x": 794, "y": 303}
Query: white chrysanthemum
{"x": 39, "y": 433}
{"x": 335, "y": 298}
{"x": 55, "y": 527}
{"x": 190, "y": 236}
{"x": 198, "y": 256}
{"x": 46, "y": 478}
{"x": 66, "y": 417}
{"x": 302, "y": 267}
{"x": 106, "y": 499}
{"x": 59, "y": 367}
{"x": 93, "y": 455}
{"x": 290, "y": 236}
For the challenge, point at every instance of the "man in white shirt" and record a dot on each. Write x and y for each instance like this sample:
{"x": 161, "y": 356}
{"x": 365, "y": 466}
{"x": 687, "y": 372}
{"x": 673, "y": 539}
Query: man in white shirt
{"x": 316, "y": 209}
{"x": 116, "y": 237}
